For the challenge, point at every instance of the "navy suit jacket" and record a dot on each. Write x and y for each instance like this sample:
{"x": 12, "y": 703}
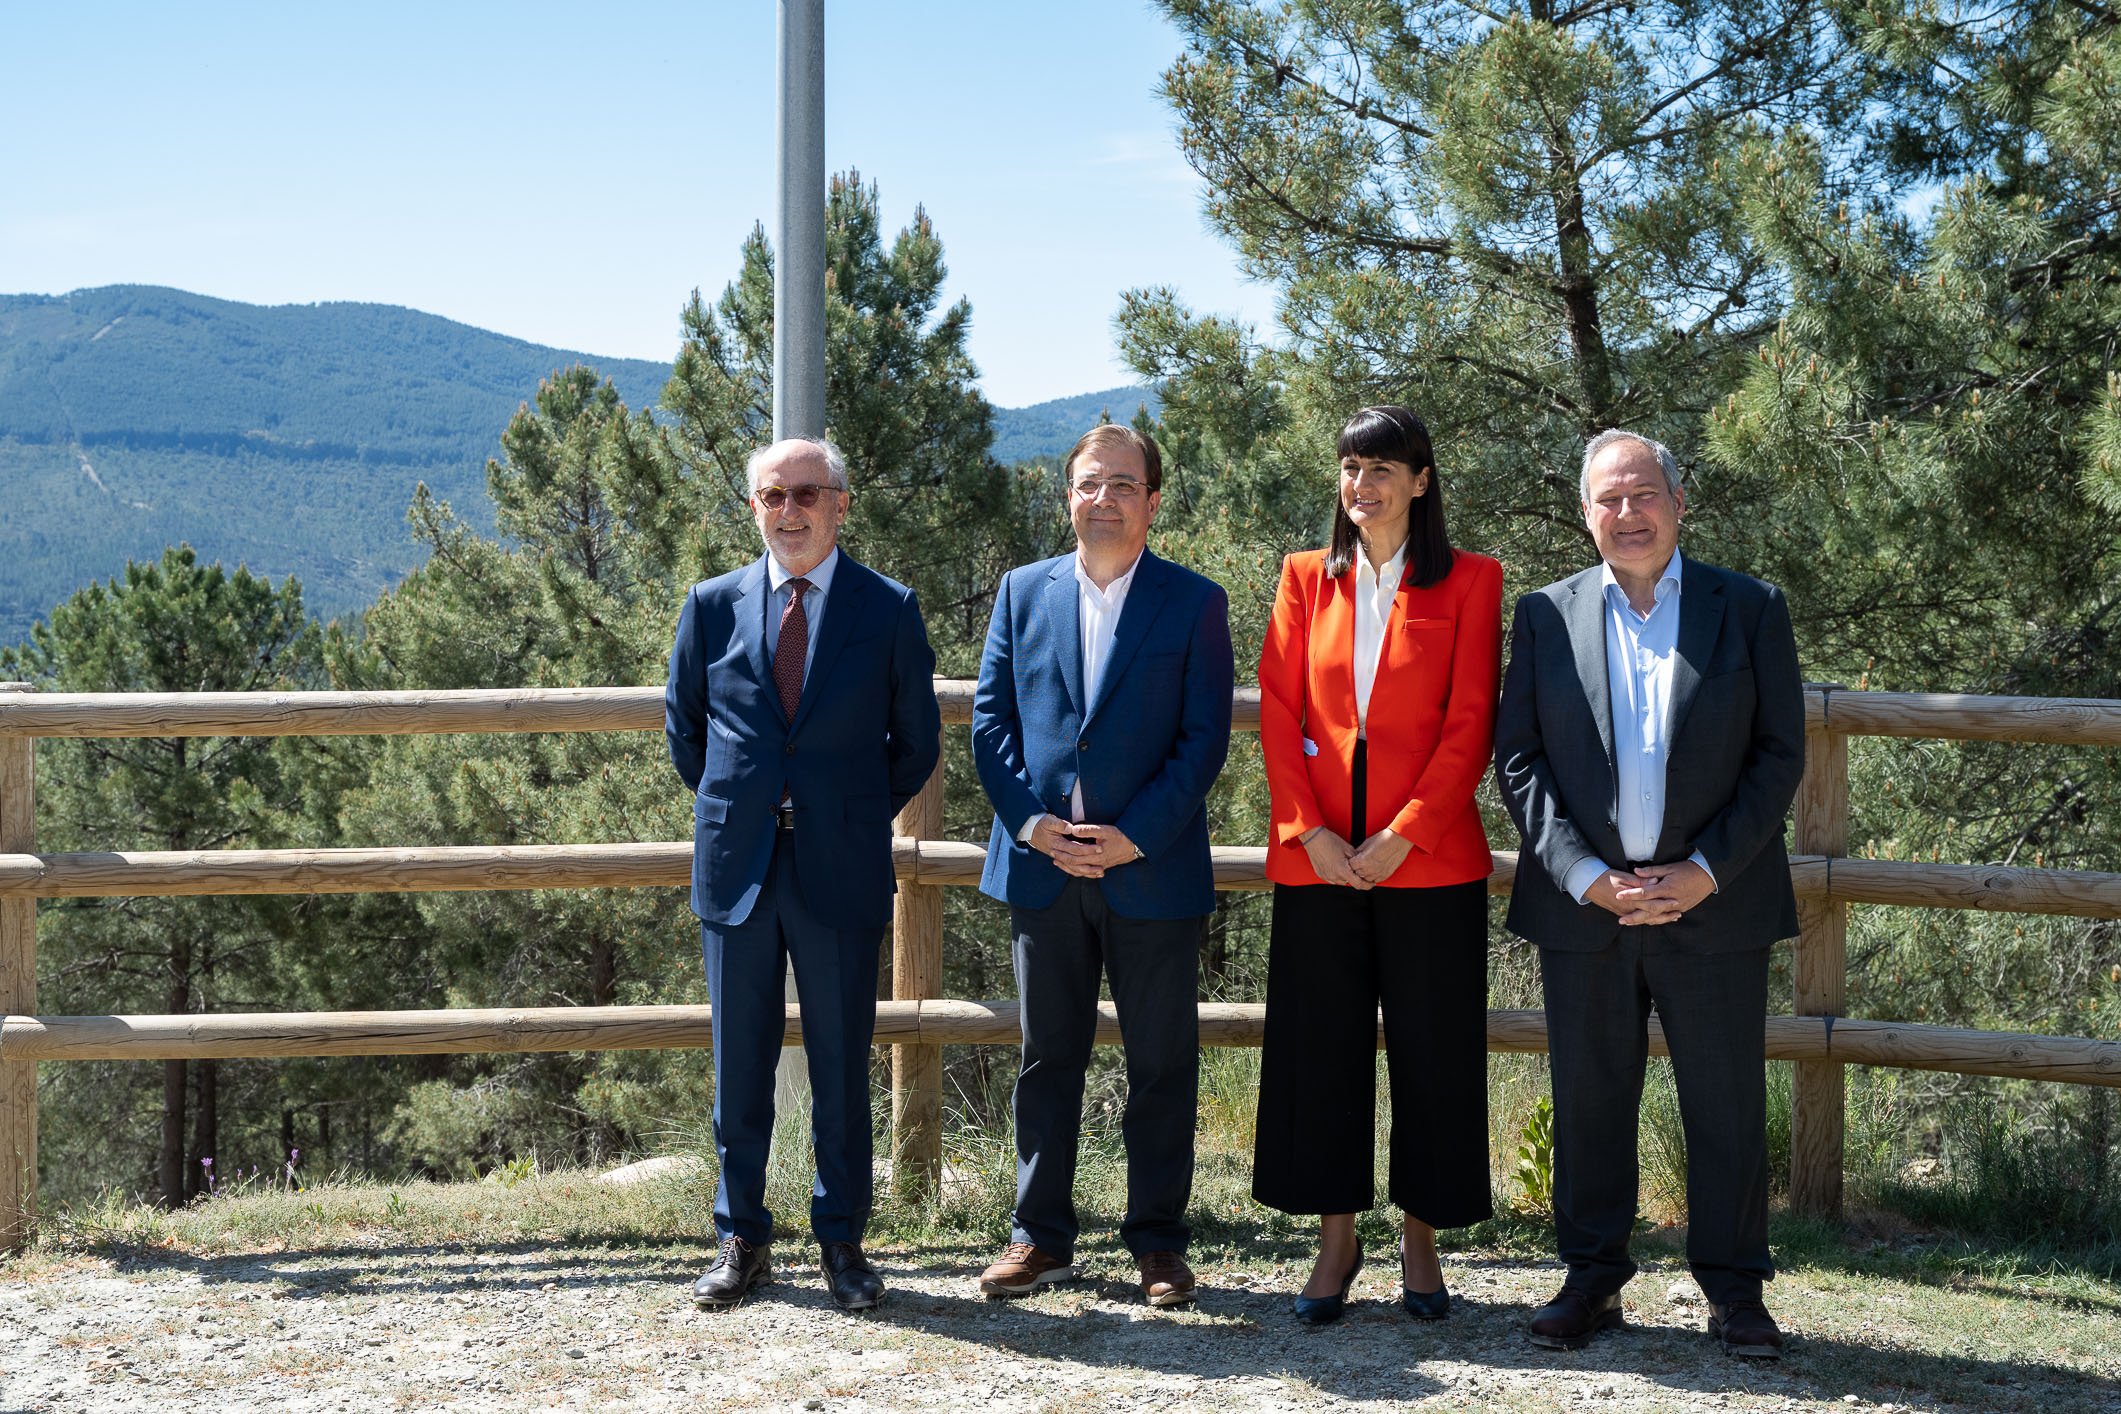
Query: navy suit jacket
{"x": 1146, "y": 751}
{"x": 865, "y": 737}
{"x": 1736, "y": 756}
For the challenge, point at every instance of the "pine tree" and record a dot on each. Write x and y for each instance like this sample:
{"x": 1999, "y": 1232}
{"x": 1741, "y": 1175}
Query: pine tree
{"x": 1520, "y": 220}
{"x": 172, "y": 626}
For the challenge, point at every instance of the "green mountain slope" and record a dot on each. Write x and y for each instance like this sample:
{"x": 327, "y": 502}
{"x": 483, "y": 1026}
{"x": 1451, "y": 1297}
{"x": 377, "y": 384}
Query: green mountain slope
{"x": 287, "y": 438}
{"x": 1049, "y": 428}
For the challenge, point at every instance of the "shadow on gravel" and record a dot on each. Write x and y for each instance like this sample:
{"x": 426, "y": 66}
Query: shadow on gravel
{"x": 431, "y": 1270}
{"x": 1230, "y": 1333}
{"x": 1253, "y": 1334}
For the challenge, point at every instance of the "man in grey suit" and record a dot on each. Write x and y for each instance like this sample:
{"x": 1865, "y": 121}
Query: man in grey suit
{"x": 1649, "y": 743}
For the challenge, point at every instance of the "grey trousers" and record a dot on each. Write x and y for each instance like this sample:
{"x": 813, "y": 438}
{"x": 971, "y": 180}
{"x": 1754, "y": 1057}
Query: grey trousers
{"x": 1712, "y": 1007}
{"x": 1154, "y": 964}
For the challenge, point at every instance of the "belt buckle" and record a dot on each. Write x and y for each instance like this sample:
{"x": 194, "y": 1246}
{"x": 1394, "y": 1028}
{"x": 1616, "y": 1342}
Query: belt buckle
{"x": 784, "y": 817}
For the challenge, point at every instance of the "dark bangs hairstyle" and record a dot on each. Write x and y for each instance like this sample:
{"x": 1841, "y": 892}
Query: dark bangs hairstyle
{"x": 1393, "y": 434}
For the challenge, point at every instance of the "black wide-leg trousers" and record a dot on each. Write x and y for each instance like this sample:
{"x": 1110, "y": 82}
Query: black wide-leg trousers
{"x": 1335, "y": 956}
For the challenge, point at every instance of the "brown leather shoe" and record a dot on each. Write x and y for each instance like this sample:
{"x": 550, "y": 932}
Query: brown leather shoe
{"x": 1166, "y": 1279}
{"x": 1023, "y": 1269}
{"x": 1574, "y": 1315}
{"x": 1746, "y": 1328}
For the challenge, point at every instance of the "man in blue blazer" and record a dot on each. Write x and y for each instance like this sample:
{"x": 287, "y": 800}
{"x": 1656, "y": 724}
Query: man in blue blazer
{"x": 1100, "y": 721}
{"x": 801, "y": 714}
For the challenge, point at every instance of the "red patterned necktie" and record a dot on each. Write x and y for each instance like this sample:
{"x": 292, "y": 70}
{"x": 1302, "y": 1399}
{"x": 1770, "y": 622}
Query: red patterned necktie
{"x": 791, "y": 648}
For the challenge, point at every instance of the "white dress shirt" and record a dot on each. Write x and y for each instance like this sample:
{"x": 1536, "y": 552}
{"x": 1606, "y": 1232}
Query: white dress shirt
{"x": 1098, "y": 609}
{"x": 1375, "y": 591}
{"x": 1638, "y": 666}
{"x": 813, "y": 604}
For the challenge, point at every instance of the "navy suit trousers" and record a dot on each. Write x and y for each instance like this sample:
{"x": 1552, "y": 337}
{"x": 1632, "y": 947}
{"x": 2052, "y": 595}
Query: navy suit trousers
{"x": 1598, "y": 1013}
{"x": 835, "y": 980}
{"x": 1061, "y": 953}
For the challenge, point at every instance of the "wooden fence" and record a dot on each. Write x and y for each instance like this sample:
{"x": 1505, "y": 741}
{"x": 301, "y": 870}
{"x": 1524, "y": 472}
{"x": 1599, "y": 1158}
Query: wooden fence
{"x": 918, "y": 1021}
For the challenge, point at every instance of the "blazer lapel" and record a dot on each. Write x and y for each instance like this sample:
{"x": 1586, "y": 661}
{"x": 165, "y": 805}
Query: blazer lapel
{"x": 1332, "y": 650}
{"x": 753, "y": 600}
{"x": 1064, "y": 613}
{"x": 1145, "y": 597}
{"x": 1587, "y": 637}
{"x": 1701, "y": 605}
{"x": 842, "y": 607}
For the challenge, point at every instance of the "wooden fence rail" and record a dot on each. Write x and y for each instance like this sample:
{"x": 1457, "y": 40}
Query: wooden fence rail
{"x": 446, "y": 868}
{"x": 1944, "y": 716}
{"x": 928, "y": 1023}
{"x": 918, "y": 1021}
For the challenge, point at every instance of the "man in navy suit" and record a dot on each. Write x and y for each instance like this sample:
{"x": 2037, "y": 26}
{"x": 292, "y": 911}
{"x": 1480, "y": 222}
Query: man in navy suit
{"x": 801, "y": 714}
{"x": 1101, "y": 718}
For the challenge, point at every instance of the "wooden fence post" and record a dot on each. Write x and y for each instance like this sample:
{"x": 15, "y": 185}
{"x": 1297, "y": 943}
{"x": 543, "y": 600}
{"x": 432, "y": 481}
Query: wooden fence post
{"x": 18, "y": 991}
{"x": 917, "y": 975}
{"x": 1819, "y": 970}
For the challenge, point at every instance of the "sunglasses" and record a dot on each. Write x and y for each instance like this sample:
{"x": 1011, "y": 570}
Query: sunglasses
{"x": 774, "y": 497}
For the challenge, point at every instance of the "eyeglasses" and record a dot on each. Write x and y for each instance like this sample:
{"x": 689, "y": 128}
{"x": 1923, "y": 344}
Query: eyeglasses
{"x": 1121, "y": 490}
{"x": 774, "y": 497}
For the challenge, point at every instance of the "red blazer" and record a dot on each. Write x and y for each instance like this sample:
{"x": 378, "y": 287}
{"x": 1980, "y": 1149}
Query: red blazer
{"x": 1432, "y": 717}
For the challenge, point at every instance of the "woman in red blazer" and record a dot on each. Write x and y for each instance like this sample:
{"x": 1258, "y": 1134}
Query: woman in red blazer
{"x": 1377, "y": 716}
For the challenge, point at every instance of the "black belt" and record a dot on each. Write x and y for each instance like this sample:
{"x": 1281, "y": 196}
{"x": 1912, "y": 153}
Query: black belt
{"x": 784, "y": 817}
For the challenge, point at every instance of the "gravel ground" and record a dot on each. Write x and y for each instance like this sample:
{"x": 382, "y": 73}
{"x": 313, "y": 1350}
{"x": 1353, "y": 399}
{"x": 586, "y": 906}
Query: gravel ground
{"x": 539, "y": 1326}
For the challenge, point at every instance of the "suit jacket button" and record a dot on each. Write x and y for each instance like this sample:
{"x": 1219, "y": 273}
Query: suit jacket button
{"x": 789, "y": 749}
{"x": 1083, "y": 745}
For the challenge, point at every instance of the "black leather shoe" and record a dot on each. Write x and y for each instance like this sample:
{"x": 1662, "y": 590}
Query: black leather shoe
{"x": 1746, "y": 1328}
{"x": 1421, "y": 1305}
{"x": 737, "y": 1268}
{"x": 854, "y": 1284}
{"x": 1325, "y": 1310}
{"x": 1574, "y": 1315}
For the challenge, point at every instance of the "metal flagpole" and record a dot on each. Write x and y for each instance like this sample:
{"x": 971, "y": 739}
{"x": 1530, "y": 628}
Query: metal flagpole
{"x": 799, "y": 322}
{"x": 799, "y": 226}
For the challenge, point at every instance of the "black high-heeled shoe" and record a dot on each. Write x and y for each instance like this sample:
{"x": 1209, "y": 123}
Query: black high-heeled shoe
{"x": 1325, "y": 1310}
{"x": 1421, "y": 1305}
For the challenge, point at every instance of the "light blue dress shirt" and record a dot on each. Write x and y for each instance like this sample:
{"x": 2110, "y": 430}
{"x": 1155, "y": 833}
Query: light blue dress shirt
{"x": 1638, "y": 665}
{"x": 813, "y": 604}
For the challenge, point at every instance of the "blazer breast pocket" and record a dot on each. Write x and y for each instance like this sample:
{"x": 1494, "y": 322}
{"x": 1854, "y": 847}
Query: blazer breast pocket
{"x": 1164, "y": 664}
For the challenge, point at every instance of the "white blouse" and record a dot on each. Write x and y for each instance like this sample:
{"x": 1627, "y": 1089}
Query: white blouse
{"x": 1374, "y": 593}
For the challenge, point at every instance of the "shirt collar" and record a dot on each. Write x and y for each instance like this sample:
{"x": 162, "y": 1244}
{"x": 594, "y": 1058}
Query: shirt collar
{"x": 1116, "y": 588}
{"x": 1667, "y": 582}
{"x": 1395, "y": 568}
{"x": 820, "y": 578}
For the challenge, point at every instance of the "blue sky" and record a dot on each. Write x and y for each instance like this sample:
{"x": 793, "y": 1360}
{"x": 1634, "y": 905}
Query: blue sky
{"x": 568, "y": 174}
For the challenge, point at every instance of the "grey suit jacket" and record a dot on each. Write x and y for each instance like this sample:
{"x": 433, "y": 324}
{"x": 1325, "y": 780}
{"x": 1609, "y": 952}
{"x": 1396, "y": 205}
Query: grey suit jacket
{"x": 1737, "y": 753}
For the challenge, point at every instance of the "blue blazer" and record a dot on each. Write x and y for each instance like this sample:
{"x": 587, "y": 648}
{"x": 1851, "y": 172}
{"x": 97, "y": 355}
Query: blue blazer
{"x": 865, "y": 738}
{"x": 1146, "y": 750}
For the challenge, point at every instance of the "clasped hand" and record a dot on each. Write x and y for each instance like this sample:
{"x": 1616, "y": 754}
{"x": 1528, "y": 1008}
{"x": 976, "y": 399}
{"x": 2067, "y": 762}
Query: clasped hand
{"x": 1653, "y": 894}
{"x": 1338, "y": 862}
{"x": 1086, "y": 851}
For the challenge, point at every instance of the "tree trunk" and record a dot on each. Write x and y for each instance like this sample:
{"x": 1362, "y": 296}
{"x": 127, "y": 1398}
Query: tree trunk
{"x": 176, "y": 1184}
{"x": 1215, "y": 952}
{"x": 169, "y": 1166}
{"x": 603, "y": 972}
{"x": 206, "y": 1128}
{"x": 1574, "y": 281}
